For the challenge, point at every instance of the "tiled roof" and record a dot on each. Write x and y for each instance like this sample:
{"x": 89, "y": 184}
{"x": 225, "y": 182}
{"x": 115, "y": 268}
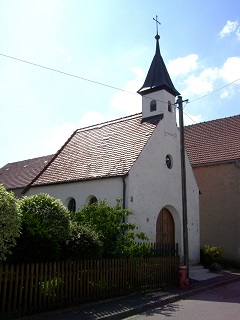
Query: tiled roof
{"x": 213, "y": 141}
{"x": 111, "y": 148}
{"x": 20, "y": 174}
{"x": 104, "y": 150}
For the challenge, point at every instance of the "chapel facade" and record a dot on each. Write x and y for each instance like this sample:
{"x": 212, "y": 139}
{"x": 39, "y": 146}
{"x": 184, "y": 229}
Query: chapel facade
{"x": 136, "y": 158}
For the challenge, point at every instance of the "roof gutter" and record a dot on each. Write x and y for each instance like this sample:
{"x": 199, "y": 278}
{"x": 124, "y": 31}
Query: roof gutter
{"x": 72, "y": 181}
{"x": 215, "y": 163}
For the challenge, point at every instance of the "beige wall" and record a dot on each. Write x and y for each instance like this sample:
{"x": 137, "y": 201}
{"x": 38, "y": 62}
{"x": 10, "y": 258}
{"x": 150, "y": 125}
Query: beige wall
{"x": 220, "y": 207}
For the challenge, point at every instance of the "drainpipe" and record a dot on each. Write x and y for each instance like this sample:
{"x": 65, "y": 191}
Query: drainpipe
{"x": 124, "y": 194}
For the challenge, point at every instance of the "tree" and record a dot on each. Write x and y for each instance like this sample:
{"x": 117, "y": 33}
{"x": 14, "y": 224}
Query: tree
{"x": 45, "y": 228}
{"x": 10, "y": 222}
{"x": 83, "y": 243}
{"x": 117, "y": 235}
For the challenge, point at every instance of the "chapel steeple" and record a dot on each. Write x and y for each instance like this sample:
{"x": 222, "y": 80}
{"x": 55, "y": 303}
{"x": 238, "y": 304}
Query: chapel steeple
{"x": 158, "y": 92}
{"x": 158, "y": 77}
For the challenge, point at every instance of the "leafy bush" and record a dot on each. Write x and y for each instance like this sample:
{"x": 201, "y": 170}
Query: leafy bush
{"x": 49, "y": 285}
{"x": 211, "y": 254}
{"x": 35, "y": 243}
{"x": 10, "y": 222}
{"x": 134, "y": 250}
{"x": 109, "y": 222}
{"x": 83, "y": 243}
{"x": 45, "y": 228}
{"x": 49, "y": 212}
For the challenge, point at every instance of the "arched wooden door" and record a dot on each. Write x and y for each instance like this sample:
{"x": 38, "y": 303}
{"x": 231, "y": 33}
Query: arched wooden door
{"x": 165, "y": 231}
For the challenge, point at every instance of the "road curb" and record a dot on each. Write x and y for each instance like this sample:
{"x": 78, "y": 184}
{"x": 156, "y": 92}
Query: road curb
{"x": 171, "y": 298}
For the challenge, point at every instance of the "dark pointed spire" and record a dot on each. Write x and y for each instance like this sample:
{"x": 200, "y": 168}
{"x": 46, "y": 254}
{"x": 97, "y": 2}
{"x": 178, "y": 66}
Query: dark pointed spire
{"x": 158, "y": 77}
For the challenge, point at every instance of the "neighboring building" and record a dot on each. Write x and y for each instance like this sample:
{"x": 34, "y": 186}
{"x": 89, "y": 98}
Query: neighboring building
{"x": 136, "y": 158}
{"x": 213, "y": 148}
{"x": 17, "y": 175}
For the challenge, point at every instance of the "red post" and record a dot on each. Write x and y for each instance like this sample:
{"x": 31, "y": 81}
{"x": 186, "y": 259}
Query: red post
{"x": 183, "y": 280}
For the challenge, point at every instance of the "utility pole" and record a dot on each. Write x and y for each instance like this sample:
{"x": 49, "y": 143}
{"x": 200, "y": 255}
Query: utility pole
{"x": 184, "y": 189}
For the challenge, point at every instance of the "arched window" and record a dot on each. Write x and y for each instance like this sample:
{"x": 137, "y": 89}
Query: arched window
{"x": 92, "y": 200}
{"x": 72, "y": 205}
{"x": 153, "y": 105}
{"x": 170, "y": 109}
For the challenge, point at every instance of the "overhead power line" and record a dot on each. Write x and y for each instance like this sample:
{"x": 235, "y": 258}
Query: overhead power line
{"x": 214, "y": 91}
{"x": 104, "y": 84}
{"x": 74, "y": 76}
{"x": 189, "y": 117}
{"x": 64, "y": 73}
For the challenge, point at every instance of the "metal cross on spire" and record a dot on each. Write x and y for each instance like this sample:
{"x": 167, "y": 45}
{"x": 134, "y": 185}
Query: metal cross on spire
{"x": 157, "y": 23}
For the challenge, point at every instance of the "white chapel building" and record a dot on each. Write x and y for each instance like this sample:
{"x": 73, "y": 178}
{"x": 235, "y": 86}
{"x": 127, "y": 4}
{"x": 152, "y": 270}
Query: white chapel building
{"x": 136, "y": 158}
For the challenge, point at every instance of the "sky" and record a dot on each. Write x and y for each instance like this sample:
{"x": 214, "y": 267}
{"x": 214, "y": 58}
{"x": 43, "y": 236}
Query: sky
{"x": 110, "y": 44}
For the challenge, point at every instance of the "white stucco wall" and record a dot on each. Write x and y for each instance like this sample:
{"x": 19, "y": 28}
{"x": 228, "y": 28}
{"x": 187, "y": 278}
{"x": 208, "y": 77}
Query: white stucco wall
{"x": 109, "y": 189}
{"x": 162, "y": 98}
{"x": 151, "y": 186}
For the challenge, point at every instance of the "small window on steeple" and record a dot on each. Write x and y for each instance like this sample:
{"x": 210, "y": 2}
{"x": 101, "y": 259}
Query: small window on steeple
{"x": 170, "y": 109}
{"x": 153, "y": 105}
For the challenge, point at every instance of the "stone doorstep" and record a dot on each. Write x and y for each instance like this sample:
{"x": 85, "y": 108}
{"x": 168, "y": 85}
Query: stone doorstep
{"x": 196, "y": 267}
{"x": 199, "y": 273}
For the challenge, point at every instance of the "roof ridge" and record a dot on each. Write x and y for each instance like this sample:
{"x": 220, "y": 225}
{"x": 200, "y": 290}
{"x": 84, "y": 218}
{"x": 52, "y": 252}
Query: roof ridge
{"x": 213, "y": 120}
{"x": 71, "y": 137}
{"x": 106, "y": 123}
{"x": 81, "y": 157}
{"x": 30, "y": 159}
{"x": 48, "y": 164}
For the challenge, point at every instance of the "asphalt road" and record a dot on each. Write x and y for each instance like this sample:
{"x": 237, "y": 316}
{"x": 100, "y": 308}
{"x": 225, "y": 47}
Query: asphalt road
{"x": 222, "y": 303}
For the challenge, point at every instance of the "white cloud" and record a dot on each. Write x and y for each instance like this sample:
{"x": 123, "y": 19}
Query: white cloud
{"x": 227, "y": 92}
{"x": 91, "y": 118}
{"x": 68, "y": 57}
{"x": 124, "y": 103}
{"x": 60, "y": 133}
{"x": 231, "y": 70}
{"x": 191, "y": 119}
{"x": 238, "y": 33}
{"x": 228, "y": 28}
{"x": 201, "y": 84}
{"x": 181, "y": 66}
{"x": 58, "y": 136}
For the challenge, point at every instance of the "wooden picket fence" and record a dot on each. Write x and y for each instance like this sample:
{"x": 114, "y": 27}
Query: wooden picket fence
{"x": 26, "y": 289}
